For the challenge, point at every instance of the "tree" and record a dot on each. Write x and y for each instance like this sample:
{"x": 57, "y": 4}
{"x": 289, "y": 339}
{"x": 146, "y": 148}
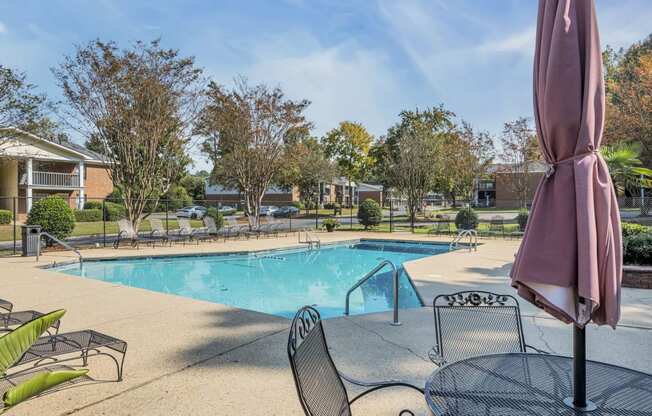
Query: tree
{"x": 245, "y": 131}
{"x": 628, "y": 81}
{"x": 625, "y": 167}
{"x": 195, "y": 186}
{"x": 305, "y": 167}
{"x": 412, "y": 149}
{"x": 348, "y": 146}
{"x": 23, "y": 109}
{"x": 520, "y": 150}
{"x": 139, "y": 104}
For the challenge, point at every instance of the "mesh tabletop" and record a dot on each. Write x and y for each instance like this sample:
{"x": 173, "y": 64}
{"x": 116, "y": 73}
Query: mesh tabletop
{"x": 534, "y": 384}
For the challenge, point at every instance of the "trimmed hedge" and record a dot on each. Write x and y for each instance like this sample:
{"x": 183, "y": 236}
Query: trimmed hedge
{"x": 631, "y": 229}
{"x": 53, "y": 215}
{"x": 369, "y": 213}
{"x": 466, "y": 219}
{"x": 637, "y": 249}
{"x": 93, "y": 205}
{"x": 88, "y": 215}
{"x": 6, "y": 216}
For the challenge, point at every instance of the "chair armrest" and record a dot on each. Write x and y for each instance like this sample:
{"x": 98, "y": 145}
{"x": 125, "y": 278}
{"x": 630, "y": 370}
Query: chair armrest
{"x": 535, "y": 349}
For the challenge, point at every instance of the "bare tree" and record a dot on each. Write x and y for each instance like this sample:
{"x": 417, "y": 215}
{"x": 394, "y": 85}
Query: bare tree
{"x": 139, "y": 106}
{"x": 246, "y": 129}
{"x": 520, "y": 150}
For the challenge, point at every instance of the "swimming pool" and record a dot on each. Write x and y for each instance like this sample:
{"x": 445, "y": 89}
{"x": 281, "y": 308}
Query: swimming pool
{"x": 276, "y": 282}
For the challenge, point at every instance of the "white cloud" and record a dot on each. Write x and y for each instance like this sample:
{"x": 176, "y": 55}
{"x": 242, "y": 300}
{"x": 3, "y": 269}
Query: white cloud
{"x": 3, "y": 28}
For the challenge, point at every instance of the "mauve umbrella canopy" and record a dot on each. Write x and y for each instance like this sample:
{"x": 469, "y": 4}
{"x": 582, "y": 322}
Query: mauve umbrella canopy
{"x": 570, "y": 260}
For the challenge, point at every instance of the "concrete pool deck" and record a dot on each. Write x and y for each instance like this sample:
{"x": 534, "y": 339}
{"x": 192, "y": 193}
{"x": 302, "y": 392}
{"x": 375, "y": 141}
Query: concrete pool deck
{"x": 189, "y": 357}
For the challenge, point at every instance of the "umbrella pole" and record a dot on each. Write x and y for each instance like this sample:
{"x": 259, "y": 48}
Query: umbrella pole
{"x": 578, "y": 401}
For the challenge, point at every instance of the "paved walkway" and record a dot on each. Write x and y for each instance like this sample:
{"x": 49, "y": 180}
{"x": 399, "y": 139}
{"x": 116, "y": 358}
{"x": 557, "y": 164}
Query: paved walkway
{"x": 189, "y": 357}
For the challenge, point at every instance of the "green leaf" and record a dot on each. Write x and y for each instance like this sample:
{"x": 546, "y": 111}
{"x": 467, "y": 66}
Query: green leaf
{"x": 38, "y": 384}
{"x": 14, "y": 344}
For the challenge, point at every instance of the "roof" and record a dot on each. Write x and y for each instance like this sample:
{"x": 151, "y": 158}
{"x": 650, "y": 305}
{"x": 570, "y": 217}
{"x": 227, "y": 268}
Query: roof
{"x": 30, "y": 141}
{"x": 533, "y": 167}
{"x": 366, "y": 187}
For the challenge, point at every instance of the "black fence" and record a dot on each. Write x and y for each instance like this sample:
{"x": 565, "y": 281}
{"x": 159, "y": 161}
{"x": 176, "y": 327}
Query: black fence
{"x": 96, "y": 220}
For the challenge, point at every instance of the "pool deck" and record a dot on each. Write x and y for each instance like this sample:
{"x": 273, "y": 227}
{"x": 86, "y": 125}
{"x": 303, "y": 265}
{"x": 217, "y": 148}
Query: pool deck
{"x": 189, "y": 357}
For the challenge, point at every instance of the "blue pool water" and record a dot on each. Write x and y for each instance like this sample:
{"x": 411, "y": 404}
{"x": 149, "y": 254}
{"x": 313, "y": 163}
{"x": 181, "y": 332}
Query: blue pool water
{"x": 275, "y": 282}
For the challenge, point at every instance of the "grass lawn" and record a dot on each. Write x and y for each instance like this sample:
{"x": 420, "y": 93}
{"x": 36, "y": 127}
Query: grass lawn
{"x": 478, "y": 209}
{"x": 94, "y": 228}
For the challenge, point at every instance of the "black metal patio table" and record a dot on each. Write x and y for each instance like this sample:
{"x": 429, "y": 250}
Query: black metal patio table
{"x": 534, "y": 384}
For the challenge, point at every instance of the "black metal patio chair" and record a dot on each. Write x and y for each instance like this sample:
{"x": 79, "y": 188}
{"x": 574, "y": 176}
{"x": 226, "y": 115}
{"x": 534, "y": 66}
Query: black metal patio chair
{"x": 472, "y": 323}
{"x": 319, "y": 385}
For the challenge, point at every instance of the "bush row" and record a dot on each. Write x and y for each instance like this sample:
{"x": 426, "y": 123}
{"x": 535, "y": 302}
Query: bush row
{"x": 5, "y": 216}
{"x": 88, "y": 215}
{"x": 637, "y": 244}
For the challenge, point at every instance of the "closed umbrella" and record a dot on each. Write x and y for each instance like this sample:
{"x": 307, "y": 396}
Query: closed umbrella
{"x": 570, "y": 260}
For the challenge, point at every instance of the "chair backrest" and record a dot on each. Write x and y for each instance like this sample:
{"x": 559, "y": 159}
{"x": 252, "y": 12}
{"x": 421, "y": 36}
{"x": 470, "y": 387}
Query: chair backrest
{"x": 209, "y": 223}
{"x": 126, "y": 228}
{"x": 318, "y": 383}
{"x": 6, "y": 305}
{"x": 184, "y": 226}
{"x": 157, "y": 225}
{"x": 468, "y": 324}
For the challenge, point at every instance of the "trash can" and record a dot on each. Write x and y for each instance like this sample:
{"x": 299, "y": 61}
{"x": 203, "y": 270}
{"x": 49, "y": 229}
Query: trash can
{"x": 30, "y": 239}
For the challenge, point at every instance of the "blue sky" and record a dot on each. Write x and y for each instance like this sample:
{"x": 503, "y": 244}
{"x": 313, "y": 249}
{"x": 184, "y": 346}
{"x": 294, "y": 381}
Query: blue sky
{"x": 360, "y": 60}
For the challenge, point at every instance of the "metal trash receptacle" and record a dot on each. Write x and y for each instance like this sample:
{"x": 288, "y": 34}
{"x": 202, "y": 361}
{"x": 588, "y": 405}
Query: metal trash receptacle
{"x": 30, "y": 239}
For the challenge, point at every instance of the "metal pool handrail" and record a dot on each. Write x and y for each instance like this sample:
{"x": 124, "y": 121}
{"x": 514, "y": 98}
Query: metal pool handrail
{"x": 66, "y": 245}
{"x": 375, "y": 270}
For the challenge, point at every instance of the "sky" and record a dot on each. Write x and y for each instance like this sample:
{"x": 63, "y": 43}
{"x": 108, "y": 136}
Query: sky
{"x": 359, "y": 60}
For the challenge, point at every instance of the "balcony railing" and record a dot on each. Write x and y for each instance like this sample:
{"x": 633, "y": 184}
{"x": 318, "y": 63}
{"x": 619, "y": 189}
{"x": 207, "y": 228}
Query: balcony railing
{"x": 55, "y": 179}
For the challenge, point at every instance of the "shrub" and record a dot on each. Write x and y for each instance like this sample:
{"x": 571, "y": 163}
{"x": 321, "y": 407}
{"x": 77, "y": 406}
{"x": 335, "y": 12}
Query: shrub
{"x": 522, "y": 218}
{"x": 332, "y": 205}
{"x": 216, "y": 215}
{"x": 637, "y": 249}
{"x": 113, "y": 211}
{"x": 330, "y": 224}
{"x": 53, "y": 215}
{"x": 631, "y": 229}
{"x": 93, "y": 205}
{"x": 5, "y": 216}
{"x": 369, "y": 213}
{"x": 466, "y": 219}
{"x": 88, "y": 215}
{"x": 299, "y": 205}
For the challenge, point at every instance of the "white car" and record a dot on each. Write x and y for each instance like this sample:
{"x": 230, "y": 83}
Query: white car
{"x": 194, "y": 211}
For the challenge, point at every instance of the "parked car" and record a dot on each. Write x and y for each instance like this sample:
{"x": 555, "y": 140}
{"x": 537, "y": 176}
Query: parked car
{"x": 287, "y": 211}
{"x": 194, "y": 211}
{"x": 226, "y": 210}
{"x": 268, "y": 210}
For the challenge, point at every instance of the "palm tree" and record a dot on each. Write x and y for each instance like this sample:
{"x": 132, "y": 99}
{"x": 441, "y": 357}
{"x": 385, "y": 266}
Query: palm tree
{"x": 625, "y": 167}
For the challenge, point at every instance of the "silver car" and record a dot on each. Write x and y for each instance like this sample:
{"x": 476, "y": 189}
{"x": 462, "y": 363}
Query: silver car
{"x": 195, "y": 211}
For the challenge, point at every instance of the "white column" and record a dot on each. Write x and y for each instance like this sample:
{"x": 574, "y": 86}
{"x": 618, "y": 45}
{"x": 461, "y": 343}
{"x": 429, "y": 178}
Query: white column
{"x": 80, "y": 202}
{"x": 30, "y": 173}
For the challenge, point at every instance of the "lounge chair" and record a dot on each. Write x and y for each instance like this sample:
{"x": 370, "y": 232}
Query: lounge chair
{"x": 235, "y": 229}
{"x": 127, "y": 233}
{"x": 211, "y": 228}
{"x": 496, "y": 226}
{"x": 196, "y": 234}
{"x": 72, "y": 346}
{"x": 319, "y": 384}
{"x": 13, "y": 318}
{"x": 158, "y": 230}
{"x": 472, "y": 323}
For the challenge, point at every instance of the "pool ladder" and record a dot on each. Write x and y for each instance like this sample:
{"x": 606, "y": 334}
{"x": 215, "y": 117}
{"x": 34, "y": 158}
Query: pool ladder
{"x": 62, "y": 243}
{"x": 312, "y": 240}
{"x": 473, "y": 239}
{"x": 368, "y": 276}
